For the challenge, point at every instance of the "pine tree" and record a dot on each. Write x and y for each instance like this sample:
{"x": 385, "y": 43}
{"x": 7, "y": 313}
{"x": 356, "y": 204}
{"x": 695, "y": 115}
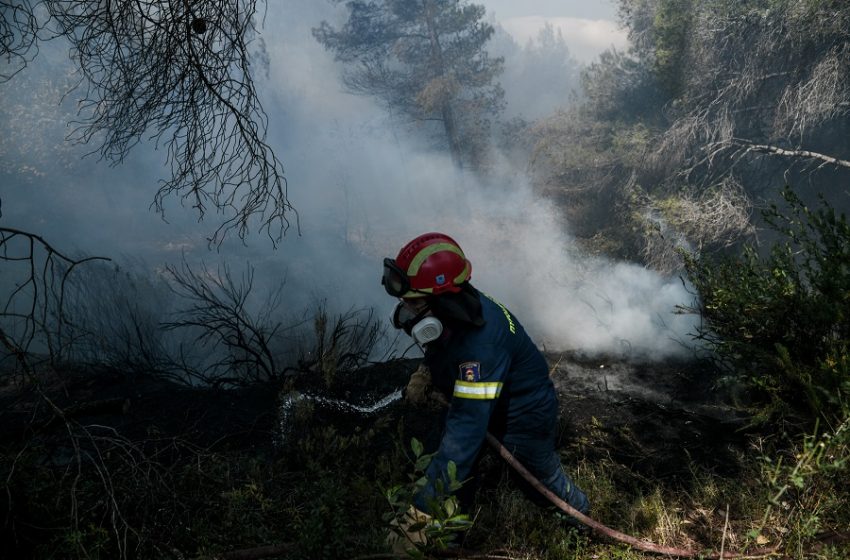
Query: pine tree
{"x": 426, "y": 60}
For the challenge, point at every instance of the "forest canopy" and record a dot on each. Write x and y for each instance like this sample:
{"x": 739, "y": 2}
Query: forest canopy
{"x": 713, "y": 109}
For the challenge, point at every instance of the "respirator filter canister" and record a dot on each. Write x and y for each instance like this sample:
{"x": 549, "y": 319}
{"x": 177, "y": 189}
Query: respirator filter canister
{"x": 422, "y": 327}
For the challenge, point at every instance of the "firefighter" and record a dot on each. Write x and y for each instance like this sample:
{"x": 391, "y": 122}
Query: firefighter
{"x": 480, "y": 357}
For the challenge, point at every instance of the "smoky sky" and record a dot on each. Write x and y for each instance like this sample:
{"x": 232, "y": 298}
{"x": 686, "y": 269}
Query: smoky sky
{"x": 602, "y": 9}
{"x": 363, "y": 184}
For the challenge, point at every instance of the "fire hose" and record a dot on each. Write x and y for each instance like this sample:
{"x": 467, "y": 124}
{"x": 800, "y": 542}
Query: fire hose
{"x": 596, "y": 526}
{"x": 607, "y": 531}
{"x": 613, "y": 534}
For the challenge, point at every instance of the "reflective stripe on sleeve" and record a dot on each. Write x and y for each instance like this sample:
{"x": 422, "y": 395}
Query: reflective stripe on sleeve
{"x": 477, "y": 390}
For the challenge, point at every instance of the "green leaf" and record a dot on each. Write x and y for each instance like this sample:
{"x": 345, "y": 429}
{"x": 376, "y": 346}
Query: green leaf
{"x": 450, "y": 507}
{"x": 451, "y": 468}
{"x": 416, "y": 446}
{"x": 422, "y": 462}
{"x": 753, "y": 534}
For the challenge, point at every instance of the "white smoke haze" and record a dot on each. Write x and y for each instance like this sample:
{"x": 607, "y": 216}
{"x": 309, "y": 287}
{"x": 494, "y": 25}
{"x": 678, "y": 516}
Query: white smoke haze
{"x": 586, "y": 38}
{"x": 363, "y": 186}
{"x": 588, "y": 28}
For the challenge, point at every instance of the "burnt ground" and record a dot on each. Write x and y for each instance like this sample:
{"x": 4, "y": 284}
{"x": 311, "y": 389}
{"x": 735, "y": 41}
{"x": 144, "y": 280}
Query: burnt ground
{"x": 138, "y": 407}
{"x": 654, "y": 418}
{"x": 655, "y": 421}
{"x": 658, "y": 419}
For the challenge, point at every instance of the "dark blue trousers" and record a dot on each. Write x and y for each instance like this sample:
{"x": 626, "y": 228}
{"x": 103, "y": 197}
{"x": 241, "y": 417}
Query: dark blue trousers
{"x": 535, "y": 450}
{"x": 537, "y": 453}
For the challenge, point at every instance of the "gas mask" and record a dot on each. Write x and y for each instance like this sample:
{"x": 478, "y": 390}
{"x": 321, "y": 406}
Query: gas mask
{"x": 422, "y": 327}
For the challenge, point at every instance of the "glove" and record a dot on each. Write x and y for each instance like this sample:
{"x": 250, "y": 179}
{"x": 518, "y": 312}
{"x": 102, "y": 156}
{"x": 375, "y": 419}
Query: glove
{"x": 418, "y": 389}
{"x": 402, "y": 536}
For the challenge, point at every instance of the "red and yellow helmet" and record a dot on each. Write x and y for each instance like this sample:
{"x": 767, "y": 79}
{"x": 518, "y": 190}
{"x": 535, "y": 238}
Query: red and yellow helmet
{"x": 431, "y": 264}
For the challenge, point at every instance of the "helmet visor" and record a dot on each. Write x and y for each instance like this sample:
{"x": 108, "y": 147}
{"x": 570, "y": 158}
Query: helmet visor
{"x": 394, "y": 280}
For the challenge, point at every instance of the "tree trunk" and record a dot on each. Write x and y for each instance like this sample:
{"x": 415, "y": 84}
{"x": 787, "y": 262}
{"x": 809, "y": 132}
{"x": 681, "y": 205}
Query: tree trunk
{"x": 446, "y": 109}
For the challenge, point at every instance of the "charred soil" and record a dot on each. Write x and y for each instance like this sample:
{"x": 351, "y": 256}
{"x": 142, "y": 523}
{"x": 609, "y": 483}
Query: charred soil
{"x": 652, "y": 421}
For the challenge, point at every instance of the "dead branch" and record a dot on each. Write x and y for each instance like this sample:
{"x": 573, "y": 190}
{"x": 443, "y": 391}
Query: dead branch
{"x": 343, "y": 343}
{"x": 218, "y": 313}
{"x": 34, "y": 306}
{"x": 767, "y": 148}
{"x": 178, "y": 73}
{"x": 717, "y": 217}
{"x": 18, "y": 30}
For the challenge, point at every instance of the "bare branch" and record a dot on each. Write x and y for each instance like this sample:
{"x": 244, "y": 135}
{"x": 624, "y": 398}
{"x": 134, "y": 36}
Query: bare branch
{"x": 767, "y": 148}
{"x": 177, "y": 73}
{"x": 35, "y": 300}
{"x": 218, "y": 312}
{"x": 18, "y": 30}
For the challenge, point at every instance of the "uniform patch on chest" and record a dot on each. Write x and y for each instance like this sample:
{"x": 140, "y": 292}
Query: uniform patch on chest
{"x": 470, "y": 371}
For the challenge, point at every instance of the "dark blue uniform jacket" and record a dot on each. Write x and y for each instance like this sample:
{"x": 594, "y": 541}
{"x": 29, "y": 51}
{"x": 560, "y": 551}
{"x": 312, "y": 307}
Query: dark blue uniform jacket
{"x": 497, "y": 380}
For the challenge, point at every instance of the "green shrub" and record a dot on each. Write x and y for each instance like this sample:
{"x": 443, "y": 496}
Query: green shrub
{"x": 806, "y": 484}
{"x": 780, "y": 324}
{"x": 446, "y": 521}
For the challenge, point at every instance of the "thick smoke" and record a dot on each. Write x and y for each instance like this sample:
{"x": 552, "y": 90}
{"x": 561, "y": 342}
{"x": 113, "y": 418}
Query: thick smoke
{"x": 371, "y": 188}
{"x": 363, "y": 186}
